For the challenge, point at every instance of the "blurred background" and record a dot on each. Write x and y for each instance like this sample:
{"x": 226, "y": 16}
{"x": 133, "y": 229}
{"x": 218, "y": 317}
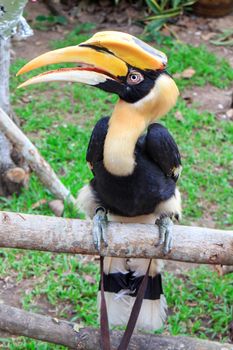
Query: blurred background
{"x": 197, "y": 37}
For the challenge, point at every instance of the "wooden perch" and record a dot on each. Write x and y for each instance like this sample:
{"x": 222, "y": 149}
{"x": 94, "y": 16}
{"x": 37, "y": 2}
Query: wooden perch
{"x": 191, "y": 244}
{"x": 37, "y": 163}
{"x": 74, "y": 336}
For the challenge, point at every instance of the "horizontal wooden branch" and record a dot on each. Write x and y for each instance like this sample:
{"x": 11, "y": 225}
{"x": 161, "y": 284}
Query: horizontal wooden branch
{"x": 37, "y": 163}
{"x": 191, "y": 244}
{"x": 74, "y": 336}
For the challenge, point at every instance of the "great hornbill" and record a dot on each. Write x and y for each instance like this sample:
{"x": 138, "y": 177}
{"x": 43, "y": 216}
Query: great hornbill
{"x": 135, "y": 162}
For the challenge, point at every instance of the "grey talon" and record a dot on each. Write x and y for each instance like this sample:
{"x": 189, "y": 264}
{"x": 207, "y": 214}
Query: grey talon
{"x": 165, "y": 226}
{"x": 99, "y": 230}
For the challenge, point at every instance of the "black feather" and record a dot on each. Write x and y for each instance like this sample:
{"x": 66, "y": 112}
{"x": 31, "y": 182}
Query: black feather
{"x": 149, "y": 184}
{"x": 162, "y": 148}
{"x": 96, "y": 143}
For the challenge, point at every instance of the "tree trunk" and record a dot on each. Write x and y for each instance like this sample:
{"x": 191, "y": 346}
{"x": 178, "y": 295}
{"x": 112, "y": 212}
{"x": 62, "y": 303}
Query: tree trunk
{"x": 12, "y": 176}
{"x": 4, "y": 74}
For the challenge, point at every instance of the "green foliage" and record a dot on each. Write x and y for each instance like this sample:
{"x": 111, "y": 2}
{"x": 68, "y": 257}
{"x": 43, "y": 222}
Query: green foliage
{"x": 205, "y": 148}
{"x": 223, "y": 39}
{"x": 209, "y": 69}
{"x": 27, "y": 344}
{"x": 165, "y": 10}
{"x": 44, "y": 22}
{"x": 59, "y": 118}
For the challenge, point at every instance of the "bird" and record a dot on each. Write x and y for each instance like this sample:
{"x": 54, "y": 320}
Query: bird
{"x": 134, "y": 160}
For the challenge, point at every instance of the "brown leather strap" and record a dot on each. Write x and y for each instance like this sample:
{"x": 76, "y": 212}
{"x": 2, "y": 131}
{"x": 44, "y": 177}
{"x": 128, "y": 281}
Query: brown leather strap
{"x": 134, "y": 313}
{"x": 104, "y": 327}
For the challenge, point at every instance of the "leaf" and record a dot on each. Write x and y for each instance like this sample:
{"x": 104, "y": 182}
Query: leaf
{"x": 186, "y": 74}
{"x": 90, "y": 279}
{"x": 77, "y": 327}
{"x": 39, "y": 203}
{"x": 41, "y": 18}
{"x": 225, "y": 38}
{"x": 208, "y": 36}
{"x": 229, "y": 113}
{"x": 154, "y": 6}
{"x": 155, "y": 25}
{"x": 61, "y": 20}
{"x": 164, "y": 15}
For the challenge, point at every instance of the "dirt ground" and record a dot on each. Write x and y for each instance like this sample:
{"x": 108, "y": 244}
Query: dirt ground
{"x": 189, "y": 29}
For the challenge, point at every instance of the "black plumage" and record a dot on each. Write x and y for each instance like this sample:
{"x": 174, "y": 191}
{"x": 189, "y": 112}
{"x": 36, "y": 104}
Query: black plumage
{"x": 115, "y": 282}
{"x": 161, "y": 147}
{"x": 132, "y": 93}
{"x": 152, "y": 180}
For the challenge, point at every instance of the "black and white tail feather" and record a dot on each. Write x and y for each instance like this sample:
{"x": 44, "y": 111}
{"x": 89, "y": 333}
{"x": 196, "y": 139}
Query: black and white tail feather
{"x": 122, "y": 280}
{"x": 120, "y": 297}
{"x": 122, "y": 277}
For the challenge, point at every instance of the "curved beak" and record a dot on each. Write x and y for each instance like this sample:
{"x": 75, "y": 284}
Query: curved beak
{"x": 103, "y": 61}
{"x": 94, "y": 66}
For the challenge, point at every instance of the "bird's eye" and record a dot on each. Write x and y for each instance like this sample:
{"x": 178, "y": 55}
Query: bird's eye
{"x": 134, "y": 78}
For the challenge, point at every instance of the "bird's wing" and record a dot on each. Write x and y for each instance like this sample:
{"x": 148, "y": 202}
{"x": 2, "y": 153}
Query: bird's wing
{"x": 96, "y": 143}
{"x": 161, "y": 147}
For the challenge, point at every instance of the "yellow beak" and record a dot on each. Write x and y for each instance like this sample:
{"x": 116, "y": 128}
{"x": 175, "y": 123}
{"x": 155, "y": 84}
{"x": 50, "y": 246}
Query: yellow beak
{"x": 93, "y": 60}
{"x": 106, "y": 56}
{"x": 130, "y": 49}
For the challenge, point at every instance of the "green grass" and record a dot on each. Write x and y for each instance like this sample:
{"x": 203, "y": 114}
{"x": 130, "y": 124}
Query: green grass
{"x": 208, "y": 68}
{"x": 59, "y": 118}
{"x": 200, "y": 307}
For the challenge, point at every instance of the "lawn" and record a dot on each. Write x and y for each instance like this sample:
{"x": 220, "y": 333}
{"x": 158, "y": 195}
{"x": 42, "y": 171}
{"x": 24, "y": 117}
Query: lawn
{"x": 59, "y": 118}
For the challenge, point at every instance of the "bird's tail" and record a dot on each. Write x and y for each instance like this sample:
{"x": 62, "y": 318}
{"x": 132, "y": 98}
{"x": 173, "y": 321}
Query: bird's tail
{"x": 122, "y": 278}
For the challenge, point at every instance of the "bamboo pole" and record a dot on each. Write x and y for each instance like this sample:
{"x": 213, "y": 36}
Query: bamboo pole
{"x": 190, "y": 244}
{"x": 37, "y": 163}
{"x": 75, "y": 336}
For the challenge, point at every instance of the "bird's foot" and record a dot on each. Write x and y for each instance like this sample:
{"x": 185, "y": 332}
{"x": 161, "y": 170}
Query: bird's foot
{"x": 165, "y": 225}
{"x": 99, "y": 230}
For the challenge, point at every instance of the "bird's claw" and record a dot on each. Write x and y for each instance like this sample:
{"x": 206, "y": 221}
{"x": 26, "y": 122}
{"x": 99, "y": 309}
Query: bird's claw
{"x": 100, "y": 227}
{"x": 165, "y": 225}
